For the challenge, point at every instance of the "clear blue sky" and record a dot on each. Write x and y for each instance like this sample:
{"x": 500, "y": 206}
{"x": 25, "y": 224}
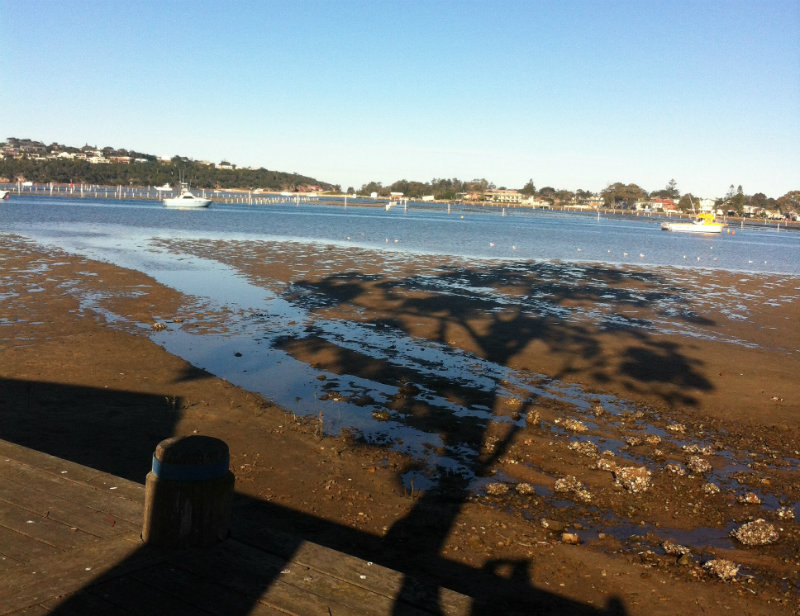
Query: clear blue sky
{"x": 574, "y": 94}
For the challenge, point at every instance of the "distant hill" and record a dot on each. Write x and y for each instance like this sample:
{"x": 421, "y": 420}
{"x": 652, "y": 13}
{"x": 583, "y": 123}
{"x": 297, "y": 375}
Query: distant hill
{"x": 34, "y": 161}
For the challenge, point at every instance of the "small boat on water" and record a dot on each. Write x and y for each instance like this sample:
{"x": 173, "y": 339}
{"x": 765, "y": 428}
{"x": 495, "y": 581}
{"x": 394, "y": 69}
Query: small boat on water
{"x": 5, "y": 194}
{"x": 186, "y": 198}
{"x": 704, "y": 223}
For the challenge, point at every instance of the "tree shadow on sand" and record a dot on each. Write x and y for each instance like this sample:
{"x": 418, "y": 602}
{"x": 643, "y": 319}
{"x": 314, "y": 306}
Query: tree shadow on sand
{"x": 526, "y": 304}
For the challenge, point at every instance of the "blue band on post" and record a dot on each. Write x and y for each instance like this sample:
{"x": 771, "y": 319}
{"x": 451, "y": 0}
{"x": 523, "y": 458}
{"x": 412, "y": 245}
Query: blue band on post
{"x": 190, "y": 472}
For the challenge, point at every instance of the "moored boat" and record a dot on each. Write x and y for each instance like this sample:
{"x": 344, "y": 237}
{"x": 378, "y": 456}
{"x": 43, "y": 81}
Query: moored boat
{"x": 704, "y": 223}
{"x": 186, "y": 198}
{"x": 5, "y": 194}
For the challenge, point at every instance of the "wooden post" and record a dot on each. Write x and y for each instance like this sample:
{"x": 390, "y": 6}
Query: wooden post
{"x": 188, "y": 493}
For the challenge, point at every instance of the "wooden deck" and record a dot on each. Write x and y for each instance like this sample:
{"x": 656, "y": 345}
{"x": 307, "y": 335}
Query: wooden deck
{"x": 70, "y": 544}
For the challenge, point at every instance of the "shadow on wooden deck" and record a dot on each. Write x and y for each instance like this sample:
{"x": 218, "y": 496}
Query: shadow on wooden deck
{"x": 277, "y": 560}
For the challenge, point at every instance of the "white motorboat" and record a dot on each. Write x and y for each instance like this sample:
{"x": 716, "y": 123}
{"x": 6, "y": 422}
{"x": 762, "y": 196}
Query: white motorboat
{"x": 5, "y": 194}
{"x": 186, "y": 198}
{"x": 704, "y": 223}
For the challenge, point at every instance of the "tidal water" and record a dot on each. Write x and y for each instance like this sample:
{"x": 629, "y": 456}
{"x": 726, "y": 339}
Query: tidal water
{"x": 130, "y": 234}
{"x": 485, "y": 234}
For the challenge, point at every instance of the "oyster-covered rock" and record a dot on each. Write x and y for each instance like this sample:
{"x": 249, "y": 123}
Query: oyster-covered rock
{"x": 698, "y": 465}
{"x": 633, "y": 479}
{"x": 758, "y": 532}
{"x": 497, "y": 489}
{"x": 721, "y": 568}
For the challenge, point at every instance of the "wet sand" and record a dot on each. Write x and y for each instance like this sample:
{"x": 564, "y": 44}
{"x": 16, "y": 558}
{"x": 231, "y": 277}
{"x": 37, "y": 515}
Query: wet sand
{"x": 706, "y": 363}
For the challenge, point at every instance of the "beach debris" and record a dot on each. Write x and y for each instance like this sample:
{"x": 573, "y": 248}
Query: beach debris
{"x": 497, "y": 489}
{"x": 710, "y": 488}
{"x": 587, "y": 448}
{"x": 634, "y": 479}
{"x": 381, "y": 415}
{"x": 786, "y": 513}
{"x": 674, "y": 549}
{"x": 570, "y": 538}
{"x": 555, "y": 525}
{"x": 532, "y": 418}
{"x": 676, "y": 427}
{"x": 571, "y": 484}
{"x": 524, "y": 488}
{"x": 758, "y": 532}
{"x": 605, "y": 463}
{"x": 721, "y": 568}
{"x": 751, "y": 498}
{"x": 677, "y": 469}
{"x": 159, "y": 327}
{"x": 693, "y": 448}
{"x": 575, "y": 425}
{"x": 698, "y": 465}
{"x": 513, "y": 403}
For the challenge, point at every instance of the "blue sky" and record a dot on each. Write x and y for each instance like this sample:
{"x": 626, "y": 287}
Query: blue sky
{"x": 573, "y": 94}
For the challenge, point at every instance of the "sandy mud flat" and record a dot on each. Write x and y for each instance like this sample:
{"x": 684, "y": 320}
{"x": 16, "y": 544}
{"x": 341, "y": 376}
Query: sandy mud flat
{"x": 626, "y": 440}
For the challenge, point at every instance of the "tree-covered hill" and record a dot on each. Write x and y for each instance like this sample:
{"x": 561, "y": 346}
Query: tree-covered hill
{"x": 33, "y": 161}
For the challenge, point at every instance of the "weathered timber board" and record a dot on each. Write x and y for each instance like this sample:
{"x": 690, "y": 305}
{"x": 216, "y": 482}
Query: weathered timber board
{"x": 74, "y": 472}
{"x": 284, "y": 585}
{"x": 46, "y": 578}
{"x": 16, "y": 548}
{"x": 214, "y": 598}
{"x": 350, "y": 569}
{"x": 64, "y": 502}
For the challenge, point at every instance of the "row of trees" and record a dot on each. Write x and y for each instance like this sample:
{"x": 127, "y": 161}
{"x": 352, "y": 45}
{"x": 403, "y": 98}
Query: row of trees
{"x": 151, "y": 173}
{"x": 617, "y": 195}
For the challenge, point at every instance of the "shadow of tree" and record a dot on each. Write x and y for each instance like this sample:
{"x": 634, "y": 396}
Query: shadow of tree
{"x": 525, "y": 303}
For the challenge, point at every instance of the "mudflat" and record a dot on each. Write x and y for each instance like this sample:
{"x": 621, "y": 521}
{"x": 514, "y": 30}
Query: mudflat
{"x": 682, "y": 495}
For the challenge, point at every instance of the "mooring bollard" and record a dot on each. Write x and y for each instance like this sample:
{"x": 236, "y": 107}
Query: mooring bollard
{"x": 188, "y": 493}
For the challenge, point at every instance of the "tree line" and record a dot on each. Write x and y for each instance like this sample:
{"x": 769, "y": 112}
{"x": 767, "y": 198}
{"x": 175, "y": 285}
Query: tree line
{"x": 152, "y": 173}
{"x": 616, "y": 195}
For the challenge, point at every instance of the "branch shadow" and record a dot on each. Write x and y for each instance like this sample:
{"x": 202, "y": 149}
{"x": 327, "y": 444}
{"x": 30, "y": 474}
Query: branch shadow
{"x": 98, "y": 428}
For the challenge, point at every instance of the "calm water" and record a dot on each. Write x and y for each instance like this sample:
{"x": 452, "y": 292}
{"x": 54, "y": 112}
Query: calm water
{"x": 520, "y": 235}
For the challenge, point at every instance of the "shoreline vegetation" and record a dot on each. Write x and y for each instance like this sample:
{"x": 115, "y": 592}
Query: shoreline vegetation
{"x": 24, "y": 160}
{"x": 253, "y": 198}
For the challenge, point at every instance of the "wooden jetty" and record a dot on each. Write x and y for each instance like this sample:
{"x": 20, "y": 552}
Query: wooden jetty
{"x": 70, "y": 543}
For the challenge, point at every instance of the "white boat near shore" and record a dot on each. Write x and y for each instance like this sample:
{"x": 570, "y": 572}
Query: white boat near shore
{"x": 5, "y": 194}
{"x": 186, "y": 199}
{"x": 704, "y": 223}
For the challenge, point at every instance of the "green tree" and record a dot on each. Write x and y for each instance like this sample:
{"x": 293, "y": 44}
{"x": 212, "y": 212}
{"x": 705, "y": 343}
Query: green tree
{"x": 529, "y": 189}
{"x": 738, "y": 201}
{"x": 623, "y": 195}
{"x": 686, "y": 203}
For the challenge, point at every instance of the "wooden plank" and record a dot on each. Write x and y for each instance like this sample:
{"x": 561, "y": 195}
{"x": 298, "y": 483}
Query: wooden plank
{"x": 74, "y": 472}
{"x": 350, "y": 569}
{"x": 136, "y": 598}
{"x": 16, "y": 548}
{"x": 82, "y": 603}
{"x": 40, "y": 528}
{"x": 62, "y": 501}
{"x": 214, "y": 598}
{"x": 46, "y": 578}
{"x": 286, "y": 585}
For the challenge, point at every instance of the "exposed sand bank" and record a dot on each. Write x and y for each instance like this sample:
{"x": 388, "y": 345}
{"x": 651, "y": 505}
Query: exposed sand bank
{"x": 709, "y": 360}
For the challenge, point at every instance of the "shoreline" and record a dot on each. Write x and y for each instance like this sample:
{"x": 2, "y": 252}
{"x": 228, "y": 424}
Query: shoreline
{"x": 244, "y": 197}
{"x": 64, "y": 358}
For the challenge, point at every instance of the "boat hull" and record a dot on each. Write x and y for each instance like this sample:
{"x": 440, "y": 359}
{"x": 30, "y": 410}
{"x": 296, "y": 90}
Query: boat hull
{"x": 187, "y": 203}
{"x": 690, "y": 227}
